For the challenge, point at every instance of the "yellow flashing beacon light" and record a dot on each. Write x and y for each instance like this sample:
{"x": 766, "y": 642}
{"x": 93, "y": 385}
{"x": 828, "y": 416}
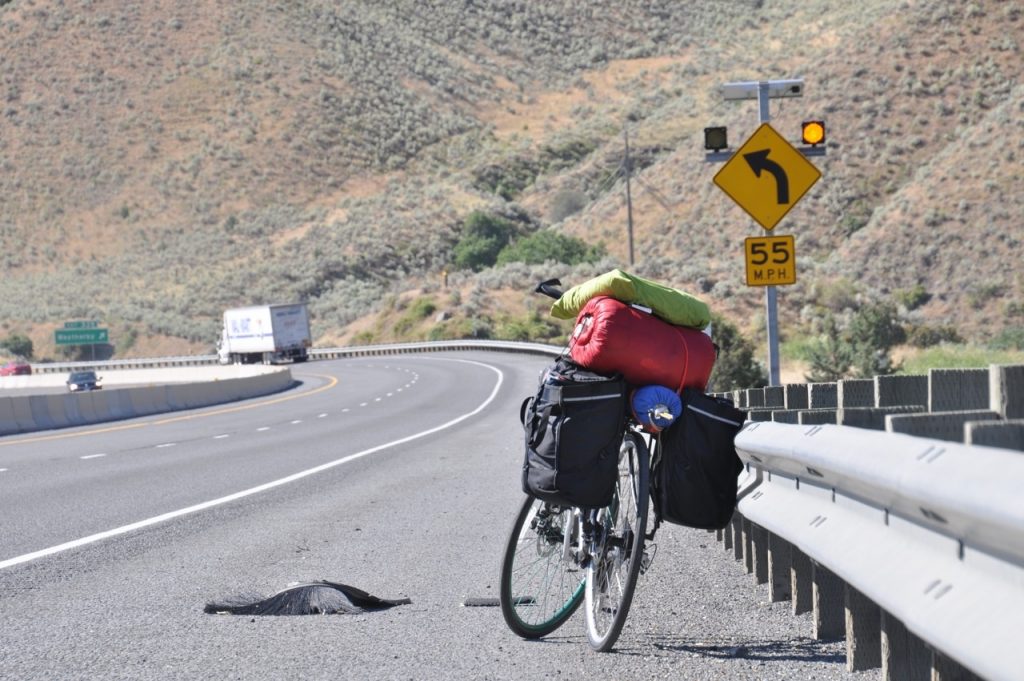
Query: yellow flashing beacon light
{"x": 813, "y": 132}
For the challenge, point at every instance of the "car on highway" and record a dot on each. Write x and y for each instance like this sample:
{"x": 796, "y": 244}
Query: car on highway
{"x": 80, "y": 381}
{"x": 18, "y": 367}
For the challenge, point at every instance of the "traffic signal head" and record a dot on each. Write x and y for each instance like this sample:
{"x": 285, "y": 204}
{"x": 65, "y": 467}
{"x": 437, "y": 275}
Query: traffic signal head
{"x": 813, "y": 132}
{"x": 716, "y": 139}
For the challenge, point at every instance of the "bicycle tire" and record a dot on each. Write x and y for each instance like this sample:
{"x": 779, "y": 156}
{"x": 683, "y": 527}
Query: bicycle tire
{"x": 541, "y": 587}
{"x": 615, "y": 564}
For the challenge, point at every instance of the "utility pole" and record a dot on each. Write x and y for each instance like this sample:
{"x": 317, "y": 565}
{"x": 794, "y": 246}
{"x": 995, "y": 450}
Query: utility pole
{"x": 629, "y": 197}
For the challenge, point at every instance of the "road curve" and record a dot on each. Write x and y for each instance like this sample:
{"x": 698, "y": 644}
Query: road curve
{"x": 398, "y": 475}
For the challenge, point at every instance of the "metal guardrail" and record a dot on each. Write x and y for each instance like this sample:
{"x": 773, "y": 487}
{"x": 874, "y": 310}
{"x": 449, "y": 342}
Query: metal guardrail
{"x": 931, "y": 532}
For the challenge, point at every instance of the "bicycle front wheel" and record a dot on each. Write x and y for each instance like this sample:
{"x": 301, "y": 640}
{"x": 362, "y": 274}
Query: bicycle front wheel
{"x": 618, "y": 547}
{"x": 541, "y": 579}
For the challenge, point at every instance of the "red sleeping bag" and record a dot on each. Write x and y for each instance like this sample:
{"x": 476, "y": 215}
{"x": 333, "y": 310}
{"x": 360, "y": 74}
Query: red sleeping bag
{"x": 610, "y": 336}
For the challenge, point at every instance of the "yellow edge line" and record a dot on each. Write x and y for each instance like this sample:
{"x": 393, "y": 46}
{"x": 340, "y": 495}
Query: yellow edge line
{"x": 332, "y": 381}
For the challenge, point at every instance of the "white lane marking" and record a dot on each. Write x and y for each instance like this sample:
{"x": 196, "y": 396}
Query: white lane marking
{"x": 398, "y": 390}
{"x": 4, "y": 470}
{"x": 323, "y": 416}
{"x": 345, "y": 410}
{"x": 124, "y": 529}
{"x": 166, "y": 445}
{"x": 221, "y": 437}
{"x": 91, "y": 456}
{"x": 376, "y": 399}
{"x": 296, "y": 422}
{"x": 389, "y": 395}
{"x": 364, "y": 404}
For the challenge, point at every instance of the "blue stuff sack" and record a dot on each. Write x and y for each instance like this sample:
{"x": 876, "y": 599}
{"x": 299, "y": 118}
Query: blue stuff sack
{"x": 658, "y": 399}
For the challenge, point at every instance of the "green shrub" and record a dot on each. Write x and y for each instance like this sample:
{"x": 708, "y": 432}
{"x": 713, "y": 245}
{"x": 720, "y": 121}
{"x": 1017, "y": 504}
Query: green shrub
{"x": 483, "y": 238}
{"x": 545, "y": 245}
{"x": 736, "y": 367}
{"x": 922, "y": 336}
{"x": 913, "y": 298}
{"x": 18, "y": 344}
{"x": 1009, "y": 339}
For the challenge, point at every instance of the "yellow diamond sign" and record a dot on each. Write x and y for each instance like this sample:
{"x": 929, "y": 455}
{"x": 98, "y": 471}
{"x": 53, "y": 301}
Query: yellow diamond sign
{"x": 767, "y": 176}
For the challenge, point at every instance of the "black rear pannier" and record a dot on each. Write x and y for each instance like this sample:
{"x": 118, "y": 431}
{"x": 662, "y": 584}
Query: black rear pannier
{"x": 573, "y": 430}
{"x": 694, "y": 478}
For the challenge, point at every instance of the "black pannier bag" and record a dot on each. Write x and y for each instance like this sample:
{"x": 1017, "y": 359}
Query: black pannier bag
{"x": 694, "y": 479}
{"x": 573, "y": 431}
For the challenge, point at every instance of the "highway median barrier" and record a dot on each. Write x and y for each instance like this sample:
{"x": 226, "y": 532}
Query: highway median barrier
{"x": 210, "y": 385}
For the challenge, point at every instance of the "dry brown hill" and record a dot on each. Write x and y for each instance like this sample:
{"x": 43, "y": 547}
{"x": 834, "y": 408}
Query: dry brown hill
{"x": 161, "y": 161}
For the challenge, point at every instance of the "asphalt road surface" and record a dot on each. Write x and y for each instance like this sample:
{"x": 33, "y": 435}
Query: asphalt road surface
{"x": 397, "y": 475}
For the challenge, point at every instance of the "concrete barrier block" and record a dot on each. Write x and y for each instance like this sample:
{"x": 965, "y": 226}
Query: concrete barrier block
{"x": 872, "y": 417}
{"x": 863, "y": 632}
{"x": 23, "y": 413}
{"x": 739, "y": 398}
{"x": 957, "y": 389}
{"x": 786, "y": 416}
{"x": 141, "y": 401}
{"x": 829, "y": 599}
{"x": 87, "y": 407}
{"x": 823, "y": 395}
{"x": 897, "y": 391}
{"x": 947, "y": 426}
{"x": 755, "y": 398}
{"x": 795, "y": 396}
{"x": 120, "y": 405}
{"x": 1002, "y": 434}
{"x": 817, "y": 417}
{"x": 760, "y": 414}
{"x": 8, "y": 422}
{"x": 1006, "y": 390}
{"x": 774, "y": 397}
{"x": 904, "y": 656}
{"x": 856, "y": 392}
{"x": 69, "y": 407}
{"x": 41, "y": 416}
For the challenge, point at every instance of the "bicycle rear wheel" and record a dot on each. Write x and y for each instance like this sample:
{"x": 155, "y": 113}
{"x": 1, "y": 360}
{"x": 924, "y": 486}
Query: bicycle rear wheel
{"x": 541, "y": 579}
{"x": 618, "y": 548}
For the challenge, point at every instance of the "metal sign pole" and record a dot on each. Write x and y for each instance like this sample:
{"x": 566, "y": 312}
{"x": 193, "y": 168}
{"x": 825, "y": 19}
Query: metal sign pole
{"x": 770, "y": 295}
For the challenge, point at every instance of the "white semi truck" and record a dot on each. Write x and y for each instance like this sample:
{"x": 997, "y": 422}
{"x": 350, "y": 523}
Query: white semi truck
{"x": 265, "y": 333}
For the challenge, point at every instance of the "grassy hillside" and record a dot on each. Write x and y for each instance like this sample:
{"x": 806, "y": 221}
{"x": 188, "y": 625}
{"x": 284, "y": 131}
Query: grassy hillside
{"x": 159, "y": 163}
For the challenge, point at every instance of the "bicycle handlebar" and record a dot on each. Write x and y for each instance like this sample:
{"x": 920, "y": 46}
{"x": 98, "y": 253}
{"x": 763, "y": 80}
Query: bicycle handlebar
{"x": 548, "y": 288}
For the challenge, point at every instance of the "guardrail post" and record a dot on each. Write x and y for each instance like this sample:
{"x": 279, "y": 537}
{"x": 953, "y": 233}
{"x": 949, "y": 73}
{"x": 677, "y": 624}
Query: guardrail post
{"x": 801, "y": 582}
{"x": 829, "y": 607}
{"x": 748, "y": 546}
{"x": 863, "y": 632}
{"x": 737, "y": 536}
{"x": 780, "y": 561}
{"x": 904, "y": 656}
{"x": 946, "y": 669}
{"x": 759, "y": 540}
{"x": 727, "y": 534}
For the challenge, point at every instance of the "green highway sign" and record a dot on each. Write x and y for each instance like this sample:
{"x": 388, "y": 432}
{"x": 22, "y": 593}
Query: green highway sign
{"x": 81, "y": 325}
{"x": 81, "y": 336}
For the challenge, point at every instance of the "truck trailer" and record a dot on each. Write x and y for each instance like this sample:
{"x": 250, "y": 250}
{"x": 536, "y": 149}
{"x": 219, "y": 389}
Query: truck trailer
{"x": 265, "y": 333}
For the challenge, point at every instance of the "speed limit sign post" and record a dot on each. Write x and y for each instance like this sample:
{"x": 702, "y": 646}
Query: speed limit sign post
{"x": 771, "y": 260}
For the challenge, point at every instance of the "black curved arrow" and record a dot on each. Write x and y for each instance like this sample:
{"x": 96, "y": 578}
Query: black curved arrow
{"x": 759, "y": 161}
